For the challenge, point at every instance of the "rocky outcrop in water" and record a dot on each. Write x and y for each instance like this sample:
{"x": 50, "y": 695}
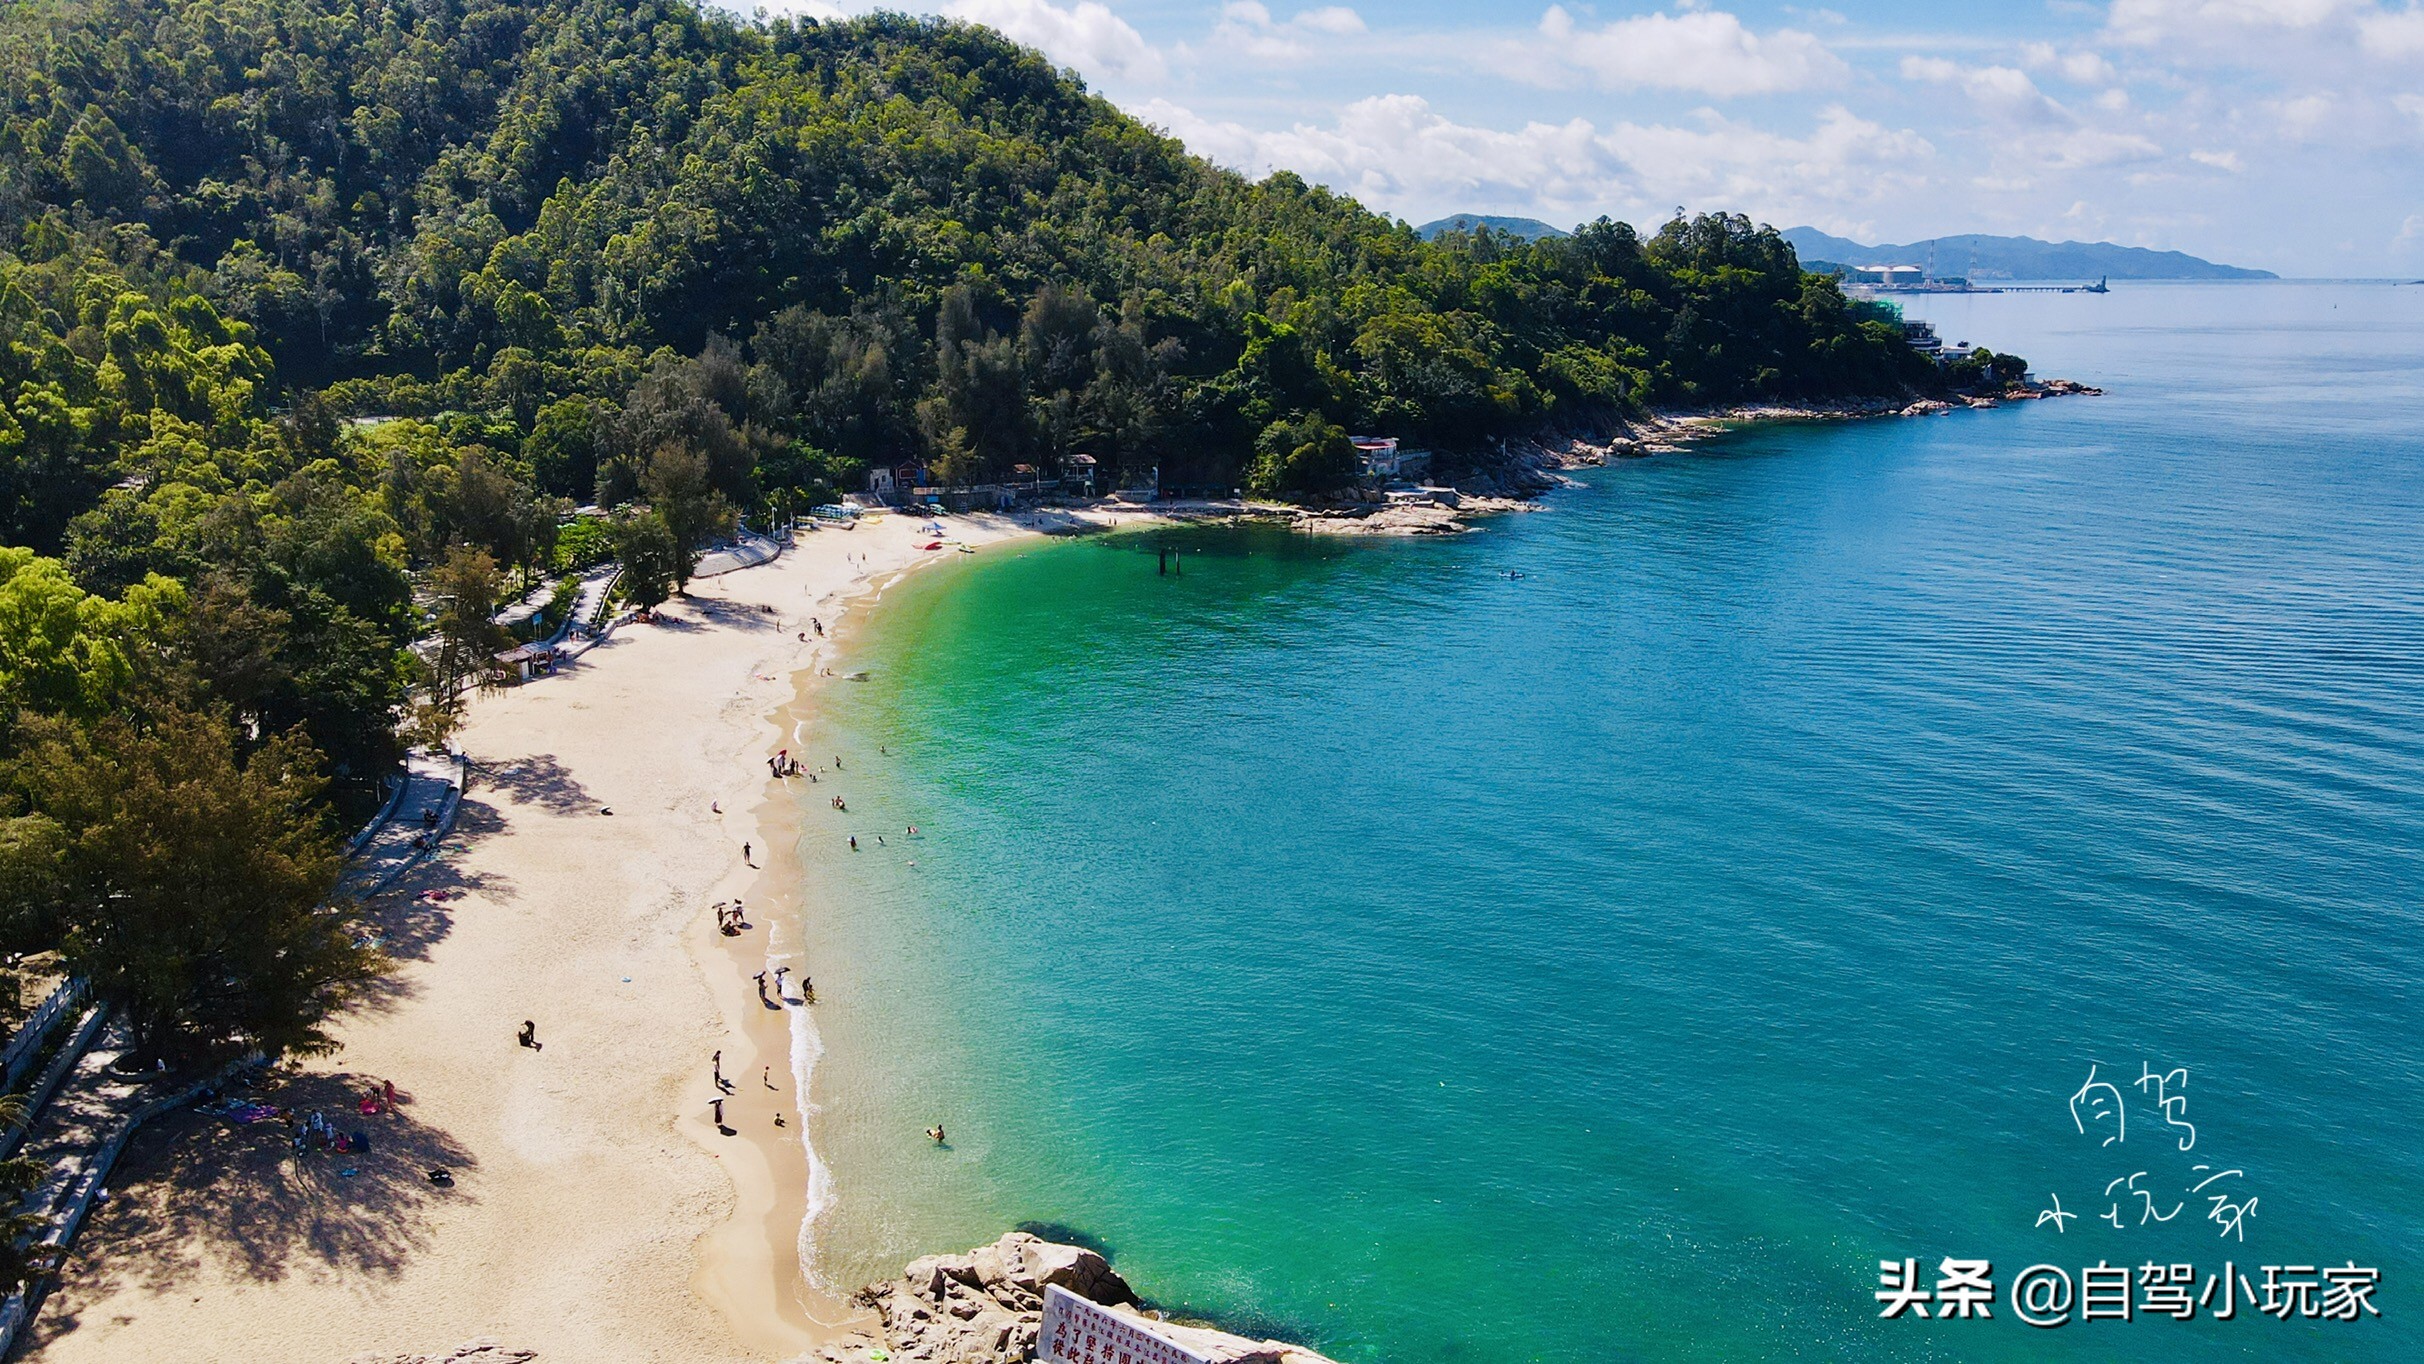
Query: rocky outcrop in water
{"x": 985, "y": 1307}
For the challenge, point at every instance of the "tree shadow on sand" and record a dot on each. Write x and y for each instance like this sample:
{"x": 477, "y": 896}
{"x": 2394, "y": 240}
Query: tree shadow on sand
{"x": 538, "y": 779}
{"x": 744, "y": 615}
{"x": 194, "y": 1187}
{"x": 411, "y": 917}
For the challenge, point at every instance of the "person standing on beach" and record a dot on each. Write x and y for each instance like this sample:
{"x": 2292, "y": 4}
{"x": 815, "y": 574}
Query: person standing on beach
{"x": 746, "y": 859}
{"x": 716, "y": 1065}
{"x": 768, "y": 1077}
{"x": 778, "y": 980}
{"x": 761, "y": 980}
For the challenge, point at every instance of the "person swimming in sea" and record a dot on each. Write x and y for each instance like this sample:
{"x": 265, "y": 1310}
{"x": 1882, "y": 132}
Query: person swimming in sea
{"x": 936, "y": 1134}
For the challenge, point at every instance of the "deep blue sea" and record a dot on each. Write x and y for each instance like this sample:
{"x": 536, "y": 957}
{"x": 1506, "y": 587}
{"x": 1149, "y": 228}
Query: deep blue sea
{"x": 1619, "y": 961}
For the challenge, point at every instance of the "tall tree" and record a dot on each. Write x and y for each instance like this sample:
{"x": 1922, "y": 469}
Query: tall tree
{"x": 196, "y": 888}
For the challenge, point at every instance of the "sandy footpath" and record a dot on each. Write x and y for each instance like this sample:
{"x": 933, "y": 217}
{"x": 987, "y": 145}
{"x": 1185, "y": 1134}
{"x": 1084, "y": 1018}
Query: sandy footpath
{"x": 597, "y": 1213}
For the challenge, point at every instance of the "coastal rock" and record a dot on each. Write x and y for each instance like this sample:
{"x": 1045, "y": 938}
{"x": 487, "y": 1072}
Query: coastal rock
{"x": 1926, "y": 407}
{"x": 986, "y": 1306}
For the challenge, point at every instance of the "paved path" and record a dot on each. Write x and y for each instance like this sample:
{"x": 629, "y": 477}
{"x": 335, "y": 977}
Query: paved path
{"x": 92, "y": 1102}
{"x": 747, "y": 552}
{"x": 432, "y": 784}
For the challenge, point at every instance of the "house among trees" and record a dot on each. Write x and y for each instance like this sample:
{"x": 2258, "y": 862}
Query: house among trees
{"x": 1078, "y": 474}
{"x": 1383, "y": 457}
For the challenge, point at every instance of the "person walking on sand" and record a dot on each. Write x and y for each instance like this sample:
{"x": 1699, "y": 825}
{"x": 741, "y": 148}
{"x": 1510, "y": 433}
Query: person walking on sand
{"x": 807, "y": 988}
{"x": 719, "y": 1111}
{"x": 716, "y": 1065}
{"x": 768, "y": 1076}
{"x": 761, "y": 980}
{"x": 746, "y": 859}
{"x": 530, "y": 1035}
{"x": 778, "y": 980}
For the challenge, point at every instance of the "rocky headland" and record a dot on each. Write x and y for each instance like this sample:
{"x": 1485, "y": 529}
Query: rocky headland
{"x": 1513, "y": 476}
{"x": 986, "y": 1307}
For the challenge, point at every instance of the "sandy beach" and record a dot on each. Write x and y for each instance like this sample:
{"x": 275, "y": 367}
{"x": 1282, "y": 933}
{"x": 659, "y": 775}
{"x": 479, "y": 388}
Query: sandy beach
{"x": 597, "y": 1211}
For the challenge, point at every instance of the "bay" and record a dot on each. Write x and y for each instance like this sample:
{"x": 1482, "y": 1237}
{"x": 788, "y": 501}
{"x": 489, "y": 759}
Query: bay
{"x": 1371, "y": 946}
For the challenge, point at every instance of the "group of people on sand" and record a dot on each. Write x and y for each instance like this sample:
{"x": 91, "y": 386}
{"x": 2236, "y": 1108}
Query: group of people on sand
{"x": 807, "y": 988}
{"x": 728, "y": 920}
{"x": 783, "y": 764}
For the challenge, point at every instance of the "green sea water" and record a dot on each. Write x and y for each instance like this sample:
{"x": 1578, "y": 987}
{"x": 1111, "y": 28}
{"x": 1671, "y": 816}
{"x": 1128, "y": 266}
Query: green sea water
{"x": 1617, "y": 961}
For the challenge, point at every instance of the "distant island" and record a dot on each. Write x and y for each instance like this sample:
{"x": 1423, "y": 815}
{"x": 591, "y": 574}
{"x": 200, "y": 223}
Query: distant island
{"x": 1529, "y": 229}
{"x": 1975, "y": 256}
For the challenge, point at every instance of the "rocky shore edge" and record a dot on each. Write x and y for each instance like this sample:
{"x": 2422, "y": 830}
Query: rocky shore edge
{"x": 986, "y": 1307}
{"x": 1522, "y": 471}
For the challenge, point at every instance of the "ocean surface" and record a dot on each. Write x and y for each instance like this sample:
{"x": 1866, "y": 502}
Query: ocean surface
{"x": 1367, "y": 945}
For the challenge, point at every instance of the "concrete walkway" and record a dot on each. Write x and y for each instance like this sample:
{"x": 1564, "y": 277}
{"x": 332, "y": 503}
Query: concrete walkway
{"x": 433, "y": 783}
{"x": 86, "y": 1112}
{"x": 747, "y": 552}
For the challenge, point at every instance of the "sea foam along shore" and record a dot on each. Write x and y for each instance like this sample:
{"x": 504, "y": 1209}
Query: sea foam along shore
{"x": 596, "y": 1210}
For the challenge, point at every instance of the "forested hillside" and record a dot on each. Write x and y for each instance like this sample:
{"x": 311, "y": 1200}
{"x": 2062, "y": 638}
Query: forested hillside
{"x": 307, "y": 305}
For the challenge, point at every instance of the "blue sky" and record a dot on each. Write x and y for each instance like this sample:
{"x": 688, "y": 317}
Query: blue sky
{"x": 2285, "y": 134}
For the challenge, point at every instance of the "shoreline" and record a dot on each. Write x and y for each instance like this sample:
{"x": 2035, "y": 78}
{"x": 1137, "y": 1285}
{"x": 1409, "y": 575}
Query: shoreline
{"x": 594, "y": 1210}
{"x": 572, "y": 1199}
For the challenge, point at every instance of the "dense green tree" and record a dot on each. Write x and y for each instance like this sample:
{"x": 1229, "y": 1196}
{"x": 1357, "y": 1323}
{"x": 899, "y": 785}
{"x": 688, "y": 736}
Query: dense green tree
{"x": 465, "y": 591}
{"x": 193, "y": 884}
{"x": 1300, "y": 455}
{"x": 653, "y": 559}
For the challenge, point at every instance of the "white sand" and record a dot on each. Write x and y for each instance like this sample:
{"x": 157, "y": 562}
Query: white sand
{"x": 597, "y": 1214}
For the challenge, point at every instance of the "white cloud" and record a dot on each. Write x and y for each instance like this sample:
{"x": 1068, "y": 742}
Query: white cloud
{"x": 2394, "y": 35}
{"x": 1397, "y": 154}
{"x": 1706, "y": 51}
{"x": 2410, "y": 105}
{"x": 1247, "y": 27}
{"x": 2302, "y": 116}
{"x": 1330, "y": 19}
{"x": 2079, "y": 67}
{"x": 2026, "y": 122}
{"x": 2222, "y": 160}
{"x": 1086, "y": 35}
{"x": 1998, "y": 91}
{"x": 2155, "y": 22}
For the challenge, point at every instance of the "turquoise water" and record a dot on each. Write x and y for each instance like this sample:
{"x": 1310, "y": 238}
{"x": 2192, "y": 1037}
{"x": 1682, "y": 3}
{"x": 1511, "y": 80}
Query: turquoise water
{"x": 1616, "y": 962}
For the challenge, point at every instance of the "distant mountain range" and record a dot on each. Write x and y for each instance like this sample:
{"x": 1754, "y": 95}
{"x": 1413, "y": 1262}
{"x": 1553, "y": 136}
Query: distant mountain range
{"x": 1980, "y": 257}
{"x": 1527, "y": 228}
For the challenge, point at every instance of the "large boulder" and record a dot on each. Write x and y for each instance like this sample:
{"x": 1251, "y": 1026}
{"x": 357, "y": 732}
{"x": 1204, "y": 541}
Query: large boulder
{"x": 986, "y": 1306}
